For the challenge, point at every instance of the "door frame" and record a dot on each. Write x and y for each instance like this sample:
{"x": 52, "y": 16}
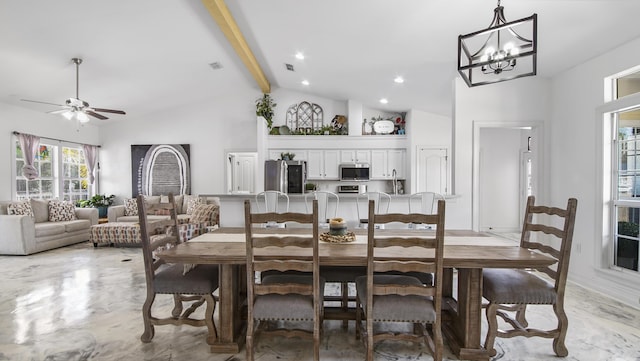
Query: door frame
{"x": 537, "y": 145}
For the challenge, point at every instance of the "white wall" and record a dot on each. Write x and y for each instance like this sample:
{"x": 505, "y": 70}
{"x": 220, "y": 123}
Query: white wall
{"x": 525, "y": 100}
{"x": 211, "y": 128}
{"x": 425, "y": 129}
{"x": 38, "y": 123}
{"x": 575, "y": 171}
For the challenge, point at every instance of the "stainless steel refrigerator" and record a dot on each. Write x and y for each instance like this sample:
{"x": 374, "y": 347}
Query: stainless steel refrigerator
{"x": 287, "y": 176}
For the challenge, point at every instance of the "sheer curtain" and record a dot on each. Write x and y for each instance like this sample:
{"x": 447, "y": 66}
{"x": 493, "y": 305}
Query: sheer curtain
{"x": 29, "y": 144}
{"x": 91, "y": 156}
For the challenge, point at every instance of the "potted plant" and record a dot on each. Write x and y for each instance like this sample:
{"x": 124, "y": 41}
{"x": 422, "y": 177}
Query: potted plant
{"x": 287, "y": 156}
{"x": 264, "y": 108}
{"x": 100, "y": 201}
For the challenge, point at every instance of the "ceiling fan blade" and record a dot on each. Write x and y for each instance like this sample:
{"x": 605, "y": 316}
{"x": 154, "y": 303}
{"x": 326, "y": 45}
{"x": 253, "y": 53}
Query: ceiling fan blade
{"x": 36, "y": 101}
{"x": 59, "y": 111}
{"x": 109, "y": 111}
{"x": 94, "y": 114}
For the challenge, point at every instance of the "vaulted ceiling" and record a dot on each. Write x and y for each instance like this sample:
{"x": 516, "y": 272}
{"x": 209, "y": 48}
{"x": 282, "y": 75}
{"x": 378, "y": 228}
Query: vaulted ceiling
{"x": 144, "y": 56}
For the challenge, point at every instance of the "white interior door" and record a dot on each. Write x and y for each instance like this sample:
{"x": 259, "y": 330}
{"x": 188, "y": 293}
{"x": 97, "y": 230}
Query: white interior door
{"x": 432, "y": 170}
{"x": 241, "y": 172}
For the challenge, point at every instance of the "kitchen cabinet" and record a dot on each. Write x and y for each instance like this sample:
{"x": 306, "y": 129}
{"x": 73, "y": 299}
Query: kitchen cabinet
{"x": 355, "y": 156}
{"x": 322, "y": 164}
{"x": 300, "y": 154}
{"x": 384, "y": 161}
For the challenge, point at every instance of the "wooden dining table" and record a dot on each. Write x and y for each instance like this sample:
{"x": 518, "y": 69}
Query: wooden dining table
{"x": 467, "y": 252}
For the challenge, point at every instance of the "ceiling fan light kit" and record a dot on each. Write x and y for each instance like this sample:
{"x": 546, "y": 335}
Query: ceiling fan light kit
{"x": 76, "y": 108}
{"x": 503, "y": 51}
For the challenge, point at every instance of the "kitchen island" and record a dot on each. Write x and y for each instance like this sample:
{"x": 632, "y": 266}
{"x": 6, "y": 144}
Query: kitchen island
{"x": 232, "y": 211}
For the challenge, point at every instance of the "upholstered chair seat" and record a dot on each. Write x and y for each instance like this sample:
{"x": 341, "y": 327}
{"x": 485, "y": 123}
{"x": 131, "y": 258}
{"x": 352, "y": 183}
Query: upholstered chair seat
{"x": 298, "y": 307}
{"x": 513, "y": 286}
{"x": 201, "y": 280}
{"x": 396, "y": 308}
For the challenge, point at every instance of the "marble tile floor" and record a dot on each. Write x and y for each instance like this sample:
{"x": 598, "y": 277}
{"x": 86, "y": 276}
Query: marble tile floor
{"x": 80, "y": 303}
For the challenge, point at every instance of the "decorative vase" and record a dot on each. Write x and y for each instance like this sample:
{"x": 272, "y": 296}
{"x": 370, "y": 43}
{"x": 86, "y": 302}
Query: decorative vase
{"x": 102, "y": 211}
{"x": 337, "y": 227}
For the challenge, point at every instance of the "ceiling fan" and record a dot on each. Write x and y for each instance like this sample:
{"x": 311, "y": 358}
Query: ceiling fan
{"x": 76, "y": 107}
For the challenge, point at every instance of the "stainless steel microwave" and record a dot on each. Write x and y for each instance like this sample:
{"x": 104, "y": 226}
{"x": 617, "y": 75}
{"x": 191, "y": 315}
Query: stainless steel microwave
{"x": 354, "y": 172}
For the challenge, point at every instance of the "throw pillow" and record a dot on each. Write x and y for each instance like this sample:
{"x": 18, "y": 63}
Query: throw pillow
{"x": 192, "y": 202}
{"x": 20, "y": 208}
{"x": 201, "y": 213}
{"x": 130, "y": 207}
{"x": 61, "y": 211}
{"x": 40, "y": 209}
{"x": 179, "y": 199}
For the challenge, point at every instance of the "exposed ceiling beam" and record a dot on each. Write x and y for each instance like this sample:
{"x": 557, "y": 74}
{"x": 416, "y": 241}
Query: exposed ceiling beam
{"x": 220, "y": 13}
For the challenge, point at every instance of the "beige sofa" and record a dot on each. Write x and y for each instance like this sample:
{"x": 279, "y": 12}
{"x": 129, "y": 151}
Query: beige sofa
{"x": 24, "y": 235}
{"x": 119, "y": 213}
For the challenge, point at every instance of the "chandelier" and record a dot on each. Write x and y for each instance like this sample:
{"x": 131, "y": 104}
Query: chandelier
{"x": 503, "y": 51}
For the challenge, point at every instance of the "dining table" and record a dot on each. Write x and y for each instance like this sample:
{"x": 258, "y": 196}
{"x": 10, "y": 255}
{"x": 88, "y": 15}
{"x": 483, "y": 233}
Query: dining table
{"x": 466, "y": 253}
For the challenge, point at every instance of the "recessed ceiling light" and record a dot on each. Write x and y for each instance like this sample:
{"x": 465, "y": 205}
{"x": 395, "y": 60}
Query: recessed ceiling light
{"x": 384, "y": 101}
{"x": 299, "y": 55}
{"x": 305, "y": 82}
{"x": 399, "y": 80}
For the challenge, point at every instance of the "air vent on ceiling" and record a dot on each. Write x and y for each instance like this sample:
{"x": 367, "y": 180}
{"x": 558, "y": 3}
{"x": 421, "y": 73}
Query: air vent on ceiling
{"x": 216, "y": 65}
{"x": 289, "y": 67}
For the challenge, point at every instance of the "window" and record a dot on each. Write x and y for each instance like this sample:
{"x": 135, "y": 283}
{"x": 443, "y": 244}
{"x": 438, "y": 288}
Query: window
{"x": 62, "y": 171}
{"x": 625, "y": 182}
{"x": 627, "y": 195}
{"x": 75, "y": 183}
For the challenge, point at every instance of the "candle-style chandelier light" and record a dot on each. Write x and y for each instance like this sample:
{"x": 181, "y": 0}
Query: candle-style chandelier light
{"x": 503, "y": 51}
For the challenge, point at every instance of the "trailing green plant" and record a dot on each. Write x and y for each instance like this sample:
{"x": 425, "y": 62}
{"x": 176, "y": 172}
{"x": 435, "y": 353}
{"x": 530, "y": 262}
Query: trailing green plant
{"x": 99, "y": 200}
{"x": 264, "y": 108}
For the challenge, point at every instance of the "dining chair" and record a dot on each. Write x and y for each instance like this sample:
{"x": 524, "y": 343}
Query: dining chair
{"x": 196, "y": 286}
{"x": 328, "y": 203}
{"x": 385, "y": 298}
{"x": 281, "y": 296}
{"x": 382, "y": 201}
{"x": 423, "y": 202}
{"x": 272, "y": 201}
{"x": 509, "y": 291}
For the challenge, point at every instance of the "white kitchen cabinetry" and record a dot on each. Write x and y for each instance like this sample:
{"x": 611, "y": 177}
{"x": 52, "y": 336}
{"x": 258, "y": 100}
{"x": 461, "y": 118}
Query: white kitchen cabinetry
{"x": 274, "y": 154}
{"x": 322, "y": 164}
{"x": 384, "y": 161}
{"x": 355, "y": 156}
{"x": 300, "y": 154}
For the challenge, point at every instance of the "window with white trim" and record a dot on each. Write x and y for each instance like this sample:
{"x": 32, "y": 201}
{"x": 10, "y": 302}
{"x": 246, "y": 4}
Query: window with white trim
{"x": 62, "y": 173}
{"x": 625, "y": 225}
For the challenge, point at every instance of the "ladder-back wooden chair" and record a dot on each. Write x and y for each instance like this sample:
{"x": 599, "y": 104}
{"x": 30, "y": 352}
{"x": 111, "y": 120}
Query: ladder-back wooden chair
{"x": 511, "y": 290}
{"x": 282, "y": 296}
{"x": 196, "y": 285}
{"x": 401, "y": 298}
